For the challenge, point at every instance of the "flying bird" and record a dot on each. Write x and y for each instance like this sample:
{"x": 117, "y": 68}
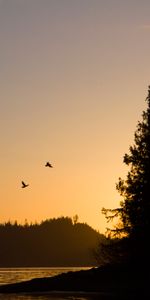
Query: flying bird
{"x": 24, "y": 184}
{"x": 48, "y": 165}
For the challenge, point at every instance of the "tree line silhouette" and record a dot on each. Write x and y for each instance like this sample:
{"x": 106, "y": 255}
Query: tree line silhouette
{"x": 128, "y": 241}
{"x": 54, "y": 242}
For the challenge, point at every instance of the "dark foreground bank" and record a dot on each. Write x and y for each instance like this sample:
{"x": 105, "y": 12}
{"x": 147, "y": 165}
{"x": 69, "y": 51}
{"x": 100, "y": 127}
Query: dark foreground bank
{"x": 114, "y": 282}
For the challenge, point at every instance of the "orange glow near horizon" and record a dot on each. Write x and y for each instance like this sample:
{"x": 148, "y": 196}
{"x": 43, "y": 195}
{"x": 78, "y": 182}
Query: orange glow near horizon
{"x": 74, "y": 77}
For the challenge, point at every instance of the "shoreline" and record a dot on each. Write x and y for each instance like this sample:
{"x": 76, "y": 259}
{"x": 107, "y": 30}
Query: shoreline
{"x": 106, "y": 282}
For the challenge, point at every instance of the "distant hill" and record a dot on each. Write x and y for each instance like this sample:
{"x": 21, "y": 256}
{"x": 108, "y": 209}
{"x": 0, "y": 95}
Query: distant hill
{"x": 52, "y": 243}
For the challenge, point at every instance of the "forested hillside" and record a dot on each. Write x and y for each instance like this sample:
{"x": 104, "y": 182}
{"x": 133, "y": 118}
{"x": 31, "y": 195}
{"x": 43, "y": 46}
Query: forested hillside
{"x": 53, "y": 242}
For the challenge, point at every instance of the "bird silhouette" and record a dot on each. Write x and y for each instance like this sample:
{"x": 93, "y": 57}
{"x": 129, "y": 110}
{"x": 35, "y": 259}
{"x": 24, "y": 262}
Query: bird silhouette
{"x": 48, "y": 165}
{"x": 24, "y": 184}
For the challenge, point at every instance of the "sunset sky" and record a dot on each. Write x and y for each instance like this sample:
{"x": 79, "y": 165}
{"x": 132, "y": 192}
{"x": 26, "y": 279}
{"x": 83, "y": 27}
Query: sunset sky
{"x": 74, "y": 76}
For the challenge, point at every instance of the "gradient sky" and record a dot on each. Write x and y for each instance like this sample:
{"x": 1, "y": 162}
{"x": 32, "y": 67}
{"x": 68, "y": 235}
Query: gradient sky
{"x": 74, "y": 76}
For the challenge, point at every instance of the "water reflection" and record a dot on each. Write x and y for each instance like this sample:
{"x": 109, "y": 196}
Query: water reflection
{"x": 50, "y": 297}
{"x": 12, "y": 275}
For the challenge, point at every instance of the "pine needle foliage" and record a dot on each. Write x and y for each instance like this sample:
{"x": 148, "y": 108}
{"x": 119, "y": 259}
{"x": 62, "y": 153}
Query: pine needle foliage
{"x": 134, "y": 211}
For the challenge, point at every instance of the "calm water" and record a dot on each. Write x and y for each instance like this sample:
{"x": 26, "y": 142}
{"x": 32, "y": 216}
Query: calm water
{"x": 11, "y": 275}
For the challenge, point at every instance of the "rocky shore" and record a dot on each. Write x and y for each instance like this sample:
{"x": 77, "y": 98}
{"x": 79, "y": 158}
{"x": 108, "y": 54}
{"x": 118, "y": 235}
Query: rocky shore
{"x": 117, "y": 282}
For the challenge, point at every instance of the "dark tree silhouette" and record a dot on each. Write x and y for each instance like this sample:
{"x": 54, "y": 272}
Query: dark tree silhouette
{"x": 52, "y": 243}
{"x": 133, "y": 214}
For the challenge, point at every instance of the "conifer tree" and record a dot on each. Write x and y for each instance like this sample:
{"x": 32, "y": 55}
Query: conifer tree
{"x": 134, "y": 210}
